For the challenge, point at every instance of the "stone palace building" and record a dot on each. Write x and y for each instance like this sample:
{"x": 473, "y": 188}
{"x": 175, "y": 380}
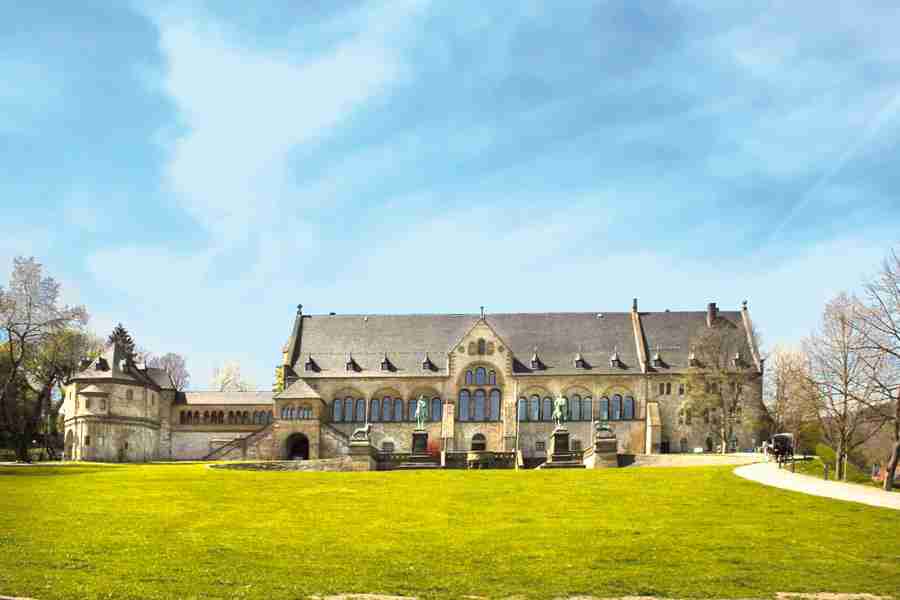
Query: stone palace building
{"x": 490, "y": 381}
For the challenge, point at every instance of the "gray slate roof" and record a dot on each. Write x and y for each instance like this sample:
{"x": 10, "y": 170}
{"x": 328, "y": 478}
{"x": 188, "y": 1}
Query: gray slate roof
{"x": 110, "y": 365}
{"x": 236, "y": 398}
{"x": 330, "y": 339}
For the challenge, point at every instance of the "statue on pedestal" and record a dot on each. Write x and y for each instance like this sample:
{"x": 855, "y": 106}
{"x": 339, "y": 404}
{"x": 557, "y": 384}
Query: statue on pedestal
{"x": 421, "y": 411}
{"x": 361, "y": 434}
{"x": 559, "y": 411}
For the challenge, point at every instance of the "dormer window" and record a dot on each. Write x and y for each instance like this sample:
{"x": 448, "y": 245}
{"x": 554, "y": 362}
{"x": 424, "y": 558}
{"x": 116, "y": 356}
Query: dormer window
{"x": 310, "y": 364}
{"x": 692, "y": 359}
{"x": 580, "y": 363}
{"x": 427, "y": 365}
{"x": 351, "y": 364}
{"x": 738, "y": 360}
{"x": 657, "y": 359}
{"x": 386, "y": 364}
{"x": 536, "y": 363}
{"x": 614, "y": 361}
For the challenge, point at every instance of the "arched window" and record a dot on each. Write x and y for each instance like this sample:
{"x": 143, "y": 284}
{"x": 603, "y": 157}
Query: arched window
{"x": 604, "y": 409}
{"x": 495, "y": 406}
{"x": 336, "y": 410}
{"x": 469, "y": 378}
{"x": 587, "y": 409}
{"x": 574, "y": 405}
{"x": 522, "y": 409}
{"x": 547, "y": 412}
{"x": 479, "y": 405}
{"x": 246, "y": 416}
{"x": 534, "y": 413}
{"x": 482, "y": 347}
{"x": 479, "y": 443}
{"x": 398, "y": 409}
{"x": 480, "y": 376}
{"x": 492, "y": 378}
{"x": 374, "y": 410}
{"x": 360, "y": 410}
{"x": 387, "y": 409}
{"x": 436, "y": 411}
{"x": 463, "y": 405}
{"x": 129, "y": 395}
{"x": 268, "y": 417}
{"x": 616, "y": 408}
{"x": 181, "y": 418}
{"x": 348, "y": 409}
{"x": 230, "y": 417}
{"x": 629, "y": 408}
{"x": 687, "y": 416}
{"x": 412, "y": 406}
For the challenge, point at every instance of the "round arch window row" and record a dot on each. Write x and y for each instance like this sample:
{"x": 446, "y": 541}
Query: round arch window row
{"x": 220, "y": 417}
{"x": 617, "y": 408}
{"x": 382, "y": 410}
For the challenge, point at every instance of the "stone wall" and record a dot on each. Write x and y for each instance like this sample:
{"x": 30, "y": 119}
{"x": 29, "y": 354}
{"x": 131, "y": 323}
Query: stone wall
{"x": 194, "y": 445}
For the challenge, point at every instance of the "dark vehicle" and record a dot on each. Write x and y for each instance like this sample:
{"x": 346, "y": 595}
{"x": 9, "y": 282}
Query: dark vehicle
{"x": 782, "y": 447}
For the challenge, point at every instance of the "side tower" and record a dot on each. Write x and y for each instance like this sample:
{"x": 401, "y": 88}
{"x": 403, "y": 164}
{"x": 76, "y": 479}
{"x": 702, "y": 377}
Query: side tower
{"x": 114, "y": 408}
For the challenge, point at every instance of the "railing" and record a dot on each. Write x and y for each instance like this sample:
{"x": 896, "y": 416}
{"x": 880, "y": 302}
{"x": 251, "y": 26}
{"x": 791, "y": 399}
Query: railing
{"x": 241, "y": 442}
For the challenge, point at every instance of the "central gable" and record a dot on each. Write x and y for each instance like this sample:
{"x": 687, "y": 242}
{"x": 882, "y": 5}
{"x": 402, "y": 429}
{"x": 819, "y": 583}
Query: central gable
{"x": 481, "y": 344}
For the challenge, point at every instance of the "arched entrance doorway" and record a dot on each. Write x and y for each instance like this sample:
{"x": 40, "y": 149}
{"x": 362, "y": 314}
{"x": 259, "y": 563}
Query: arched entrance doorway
{"x": 298, "y": 447}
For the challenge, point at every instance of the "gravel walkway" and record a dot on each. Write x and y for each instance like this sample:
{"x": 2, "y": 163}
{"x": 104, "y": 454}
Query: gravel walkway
{"x": 770, "y": 474}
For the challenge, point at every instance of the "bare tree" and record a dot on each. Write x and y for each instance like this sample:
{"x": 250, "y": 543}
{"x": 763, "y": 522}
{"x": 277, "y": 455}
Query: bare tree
{"x": 878, "y": 326}
{"x": 787, "y": 394}
{"x": 31, "y": 323}
{"x": 843, "y": 378}
{"x": 722, "y": 381}
{"x": 174, "y": 365}
{"x": 228, "y": 379}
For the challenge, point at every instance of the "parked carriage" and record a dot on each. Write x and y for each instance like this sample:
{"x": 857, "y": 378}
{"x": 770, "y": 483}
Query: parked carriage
{"x": 781, "y": 446}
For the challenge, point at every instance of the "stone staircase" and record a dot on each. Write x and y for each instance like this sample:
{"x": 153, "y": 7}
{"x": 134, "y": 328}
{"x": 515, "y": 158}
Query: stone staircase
{"x": 242, "y": 448}
{"x": 340, "y": 440}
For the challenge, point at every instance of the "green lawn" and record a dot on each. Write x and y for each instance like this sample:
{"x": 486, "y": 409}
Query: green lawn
{"x": 186, "y": 531}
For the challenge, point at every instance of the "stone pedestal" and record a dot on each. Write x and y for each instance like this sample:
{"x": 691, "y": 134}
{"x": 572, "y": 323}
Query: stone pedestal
{"x": 362, "y": 452}
{"x": 561, "y": 457}
{"x": 362, "y": 456}
{"x": 605, "y": 449}
{"x": 420, "y": 459}
{"x": 419, "y": 442}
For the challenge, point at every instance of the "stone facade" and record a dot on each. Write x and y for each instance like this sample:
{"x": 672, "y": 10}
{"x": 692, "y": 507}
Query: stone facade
{"x": 491, "y": 378}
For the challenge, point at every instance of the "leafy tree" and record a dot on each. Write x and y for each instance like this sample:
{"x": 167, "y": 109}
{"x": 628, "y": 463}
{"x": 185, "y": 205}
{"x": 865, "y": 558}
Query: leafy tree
{"x": 42, "y": 342}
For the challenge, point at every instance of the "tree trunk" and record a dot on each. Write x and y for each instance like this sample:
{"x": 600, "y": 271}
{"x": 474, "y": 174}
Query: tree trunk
{"x": 839, "y": 462}
{"x": 23, "y": 443}
{"x": 891, "y": 467}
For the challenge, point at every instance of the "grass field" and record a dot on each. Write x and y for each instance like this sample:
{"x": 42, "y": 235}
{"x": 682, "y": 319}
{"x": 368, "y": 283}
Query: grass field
{"x": 186, "y": 531}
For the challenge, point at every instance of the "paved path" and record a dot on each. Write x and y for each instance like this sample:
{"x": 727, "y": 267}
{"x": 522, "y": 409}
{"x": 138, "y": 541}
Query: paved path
{"x": 770, "y": 474}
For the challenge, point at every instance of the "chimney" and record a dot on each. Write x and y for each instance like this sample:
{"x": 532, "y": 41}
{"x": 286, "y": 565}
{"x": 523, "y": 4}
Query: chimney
{"x": 634, "y": 305}
{"x": 712, "y": 312}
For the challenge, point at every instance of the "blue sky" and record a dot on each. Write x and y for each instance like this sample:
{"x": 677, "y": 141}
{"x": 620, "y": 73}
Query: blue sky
{"x": 196, "y": 170}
